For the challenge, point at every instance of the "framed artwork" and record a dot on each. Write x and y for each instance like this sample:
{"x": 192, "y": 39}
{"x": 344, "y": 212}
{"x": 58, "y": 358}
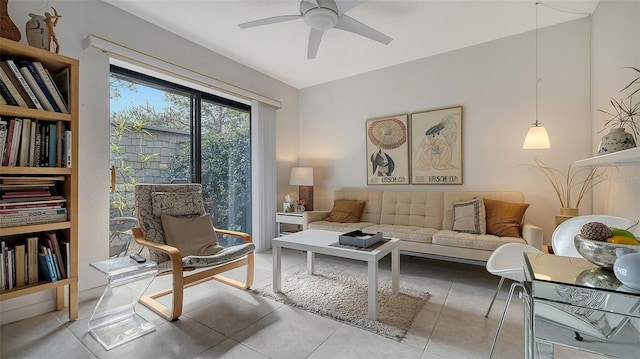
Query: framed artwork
{"x": 388, "y": 150}
{"x": 436, "y": 146}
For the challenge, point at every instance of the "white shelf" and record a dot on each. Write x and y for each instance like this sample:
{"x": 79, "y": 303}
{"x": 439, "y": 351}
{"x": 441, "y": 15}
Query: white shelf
{"x": 630, "y": 157}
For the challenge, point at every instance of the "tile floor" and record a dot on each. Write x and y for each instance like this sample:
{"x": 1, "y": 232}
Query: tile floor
{"x": 223, "y": 322}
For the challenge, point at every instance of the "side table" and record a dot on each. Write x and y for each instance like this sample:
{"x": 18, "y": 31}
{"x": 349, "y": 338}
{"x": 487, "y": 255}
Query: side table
{"x": 114, "y": 320}
{"x": 296, "y": 218}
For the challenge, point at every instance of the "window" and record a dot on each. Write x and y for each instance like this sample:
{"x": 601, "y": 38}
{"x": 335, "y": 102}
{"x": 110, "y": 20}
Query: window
{"x": 163, "y": 132}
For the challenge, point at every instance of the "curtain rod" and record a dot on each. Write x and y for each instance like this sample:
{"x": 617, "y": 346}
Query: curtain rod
{"x": 156, "y": 63}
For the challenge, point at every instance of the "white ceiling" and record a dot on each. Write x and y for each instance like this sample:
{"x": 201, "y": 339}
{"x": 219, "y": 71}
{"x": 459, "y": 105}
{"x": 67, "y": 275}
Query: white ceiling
{"x": 419, "y": 28}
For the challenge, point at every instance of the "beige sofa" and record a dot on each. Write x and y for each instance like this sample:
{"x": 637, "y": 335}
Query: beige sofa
{"x": 423, "y": 221}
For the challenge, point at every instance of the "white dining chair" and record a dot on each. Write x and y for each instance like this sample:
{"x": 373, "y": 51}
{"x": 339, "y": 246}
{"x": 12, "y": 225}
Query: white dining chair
{"x": 507, "y": 261}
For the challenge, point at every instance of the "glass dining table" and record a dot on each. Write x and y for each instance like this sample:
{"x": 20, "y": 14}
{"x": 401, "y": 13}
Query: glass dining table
{"x": 571, "y": 302}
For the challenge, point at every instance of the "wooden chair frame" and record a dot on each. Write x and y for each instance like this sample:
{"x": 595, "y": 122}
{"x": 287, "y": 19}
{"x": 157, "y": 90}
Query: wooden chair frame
{"x": 180, "y": 281}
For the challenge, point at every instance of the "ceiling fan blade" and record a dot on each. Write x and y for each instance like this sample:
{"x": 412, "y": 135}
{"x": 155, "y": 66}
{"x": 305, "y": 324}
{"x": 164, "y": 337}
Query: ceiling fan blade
{"x": 314, "y": 43}
{"x": 352, "y": 25}
{"x": 346, "y": 5}
{"x": 269, "y": 20}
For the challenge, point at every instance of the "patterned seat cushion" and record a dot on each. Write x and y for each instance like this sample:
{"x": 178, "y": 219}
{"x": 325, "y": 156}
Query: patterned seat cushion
{"x": 153, "y": 200}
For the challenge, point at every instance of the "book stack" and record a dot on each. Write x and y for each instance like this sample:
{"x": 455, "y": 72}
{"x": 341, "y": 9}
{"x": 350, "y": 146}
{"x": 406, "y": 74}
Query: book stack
{"x": 32, "y": 259}
{"x": 35, "y": 143}
{"x": 29, "y": 84}
{"x": 29, "y": 200}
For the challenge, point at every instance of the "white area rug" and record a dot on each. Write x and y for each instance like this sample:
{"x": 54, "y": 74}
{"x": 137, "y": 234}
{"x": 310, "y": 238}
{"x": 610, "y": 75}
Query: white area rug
{"x": 344, "y": 298}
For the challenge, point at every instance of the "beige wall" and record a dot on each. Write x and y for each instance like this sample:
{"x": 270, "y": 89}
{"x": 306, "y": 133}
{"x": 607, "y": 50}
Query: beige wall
{"x": 616, "y": 44}
{"x": 495, "y": 84}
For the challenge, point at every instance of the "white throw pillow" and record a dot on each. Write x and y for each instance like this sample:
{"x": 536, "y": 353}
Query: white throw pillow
{"x": 469, "y": 216}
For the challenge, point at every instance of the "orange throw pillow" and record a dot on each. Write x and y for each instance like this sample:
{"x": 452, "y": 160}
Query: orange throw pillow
{"x": 504, "y": 218}
{"x": 346, "y": 211}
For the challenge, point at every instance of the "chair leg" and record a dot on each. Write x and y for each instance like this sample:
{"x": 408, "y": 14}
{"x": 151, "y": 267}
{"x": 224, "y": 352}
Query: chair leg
{"x": 494, "y": 296}
{"x": 504, "y": 315}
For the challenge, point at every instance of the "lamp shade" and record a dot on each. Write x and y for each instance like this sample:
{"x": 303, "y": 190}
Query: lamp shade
{"x": 301, "y": 176}
{"x": 537, "y": 138}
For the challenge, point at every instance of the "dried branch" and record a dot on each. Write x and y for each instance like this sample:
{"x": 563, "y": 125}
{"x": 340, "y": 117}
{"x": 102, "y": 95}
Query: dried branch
{"x": 564, "y": 184}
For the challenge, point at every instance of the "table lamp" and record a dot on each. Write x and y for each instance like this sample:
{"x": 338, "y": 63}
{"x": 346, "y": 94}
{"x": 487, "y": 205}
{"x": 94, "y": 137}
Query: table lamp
{"x": 303, "y": 177}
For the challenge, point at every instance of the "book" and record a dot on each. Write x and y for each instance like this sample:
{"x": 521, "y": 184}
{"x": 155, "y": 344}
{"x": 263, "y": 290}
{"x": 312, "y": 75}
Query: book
{"x": 9, "y": 269}
{"x": 37, "y": 152}
{"x": 31, "y": 179}
{"x": 53, "y": 144}
{"x": 24, "y": 70}
{"x": 45, "y": 266}
{"x": 26, "y": 193}
{"x": 32, "y": 143}
{"x": 51, "y": 86}
{"x": 23, "y": 82}
{"x": 36, "y": 204}
{"x": 59, "y": 133}
{"x": 23, "y": 221}
{"x": 40, "y": 83}
{"x": 3, "y": 140}
{"x": 32, "y": 260}
{"x": 65, "y": 250}
{"x": 23, "y": 156}
{"x": 7, "y": 148}
{"x": 53, "y": 241}
{"x": 16, "y": 83}
{"x": 3, "y": 274}
{"x": 6, "y": 94}
{"x": 27, "y": 199}
{"x": 15, "y": 141}
{"x": 29, "y": 212}
{"x": 17, "y": 96}
{"x": 20, "y": 265}
{"x": 67, "y": 152}
{"x": 2, "y": 100}
{"x": 62, "y": 80}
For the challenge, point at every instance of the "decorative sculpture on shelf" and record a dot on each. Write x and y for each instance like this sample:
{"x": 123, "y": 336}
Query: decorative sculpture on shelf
{"x": 8, "y": 28}
{"x": 40, "y": 30}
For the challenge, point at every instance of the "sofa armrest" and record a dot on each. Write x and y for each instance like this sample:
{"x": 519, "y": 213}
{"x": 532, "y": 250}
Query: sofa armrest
{"x": 532, "y": 235}
{"x": 312, "y": 216}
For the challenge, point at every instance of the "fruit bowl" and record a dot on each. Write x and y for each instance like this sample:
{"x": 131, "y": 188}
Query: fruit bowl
{"x": 602, "y": 254}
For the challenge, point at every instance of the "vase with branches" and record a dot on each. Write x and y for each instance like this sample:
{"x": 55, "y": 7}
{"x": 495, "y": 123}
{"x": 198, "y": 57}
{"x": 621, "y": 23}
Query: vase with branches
{"x": 624, "y": 116}
{"x": 566, "y": 184}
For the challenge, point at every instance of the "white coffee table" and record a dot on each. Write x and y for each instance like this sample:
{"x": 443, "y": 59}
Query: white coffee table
{"x": 323, "y": 242}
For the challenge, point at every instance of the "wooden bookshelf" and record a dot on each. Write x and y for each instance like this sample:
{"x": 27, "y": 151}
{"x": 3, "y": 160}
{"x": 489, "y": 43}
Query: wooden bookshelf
{"x": 68, "y": 188}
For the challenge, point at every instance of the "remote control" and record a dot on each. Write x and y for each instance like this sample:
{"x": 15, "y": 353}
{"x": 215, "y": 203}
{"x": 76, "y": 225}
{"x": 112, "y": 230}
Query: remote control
{"x": 138, "y": 258}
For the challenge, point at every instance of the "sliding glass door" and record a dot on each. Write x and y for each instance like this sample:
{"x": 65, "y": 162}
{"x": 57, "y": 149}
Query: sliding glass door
{"x": 162, "y": 132}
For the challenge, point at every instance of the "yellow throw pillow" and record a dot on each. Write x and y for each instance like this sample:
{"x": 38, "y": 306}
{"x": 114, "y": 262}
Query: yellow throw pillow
{"x": 346, "y": 211}
{"x": 504, "y": 218}
{"x": 192, "y": 235}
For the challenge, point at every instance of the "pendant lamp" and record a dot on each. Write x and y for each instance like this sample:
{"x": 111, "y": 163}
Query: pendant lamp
{"x": 537, "y": 137}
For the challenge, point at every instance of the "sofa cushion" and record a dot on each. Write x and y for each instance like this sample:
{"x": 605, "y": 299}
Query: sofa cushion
{"x": 404, "y": 233}
{"x": 338, "y": 227}
{"x": 412, "y": 208}
{"x": 458, "y": 196}
{"x": 469, "y": 216}
{"x": 373, "y": 199}
{"x": 346, "y": 211}
{"x": 192, "y": 235}
{"x": 486, "y": 242}
{"x": 177, "y": 203}
{"x": 504, "y": 218}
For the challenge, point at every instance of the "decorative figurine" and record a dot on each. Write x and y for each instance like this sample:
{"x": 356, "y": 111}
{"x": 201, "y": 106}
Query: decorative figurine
{"x": 8, "y": 28}
{"x": 40, "y": 30}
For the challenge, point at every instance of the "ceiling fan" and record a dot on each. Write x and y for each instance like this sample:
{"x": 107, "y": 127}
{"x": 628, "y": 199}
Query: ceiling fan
{"x": 321, "y": 15}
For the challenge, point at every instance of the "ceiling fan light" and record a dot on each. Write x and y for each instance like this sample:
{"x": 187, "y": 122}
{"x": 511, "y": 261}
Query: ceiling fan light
{"x": 321, "y": 18}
